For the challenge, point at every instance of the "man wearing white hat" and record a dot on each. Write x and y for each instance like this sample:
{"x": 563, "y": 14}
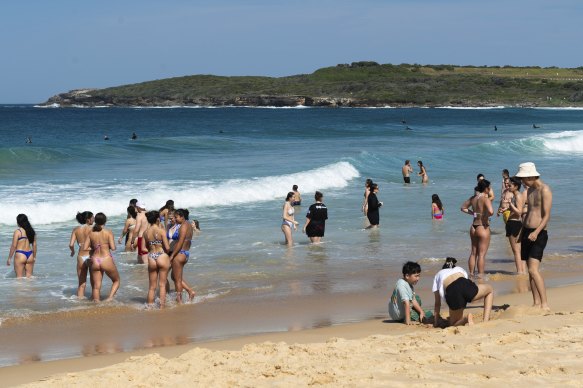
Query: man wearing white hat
{"x": 534, "y": 232}
{"x": 141, "y": 226}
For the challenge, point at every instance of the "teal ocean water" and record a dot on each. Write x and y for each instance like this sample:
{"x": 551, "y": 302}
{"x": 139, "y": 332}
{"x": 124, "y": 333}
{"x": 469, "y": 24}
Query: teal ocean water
{"x": 232, "y": 167}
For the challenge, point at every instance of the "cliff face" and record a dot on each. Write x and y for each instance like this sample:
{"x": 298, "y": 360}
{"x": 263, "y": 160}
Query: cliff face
{"x": 88, "y": 98}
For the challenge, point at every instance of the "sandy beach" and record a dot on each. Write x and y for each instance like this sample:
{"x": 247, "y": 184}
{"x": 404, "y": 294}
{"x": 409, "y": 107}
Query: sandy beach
{"x": 521, "y": 345}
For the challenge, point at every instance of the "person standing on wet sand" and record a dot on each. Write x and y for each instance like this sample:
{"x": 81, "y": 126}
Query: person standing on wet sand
{"x": 534, "y": 233}
{"x": 480, "y": 208}
{"x": 406, "y": 170}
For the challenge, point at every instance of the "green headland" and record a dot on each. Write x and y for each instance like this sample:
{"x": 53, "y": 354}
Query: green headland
{"x": 359, "y": 84}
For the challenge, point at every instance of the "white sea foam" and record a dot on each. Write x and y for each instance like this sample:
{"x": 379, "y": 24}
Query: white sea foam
{"x": 567, "y": 141}
{"x": 472, "y": 107}
{"x": 59, "y": 203}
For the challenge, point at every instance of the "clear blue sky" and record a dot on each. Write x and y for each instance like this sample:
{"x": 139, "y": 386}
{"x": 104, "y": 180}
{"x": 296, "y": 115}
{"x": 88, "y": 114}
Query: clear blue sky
{"x": 49, "y": 47}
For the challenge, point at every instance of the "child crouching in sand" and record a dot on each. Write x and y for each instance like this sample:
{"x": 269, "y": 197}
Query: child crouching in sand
{"x": 405, "y": 305}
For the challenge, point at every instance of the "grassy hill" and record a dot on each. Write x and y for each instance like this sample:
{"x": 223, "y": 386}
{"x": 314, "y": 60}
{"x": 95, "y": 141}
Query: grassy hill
{"x": 356, "y": 84}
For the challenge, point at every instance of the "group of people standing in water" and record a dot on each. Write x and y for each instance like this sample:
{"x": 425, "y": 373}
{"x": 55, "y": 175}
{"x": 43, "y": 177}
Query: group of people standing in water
{"x": 316, "y": 217}
{"x": 162, "y": 239}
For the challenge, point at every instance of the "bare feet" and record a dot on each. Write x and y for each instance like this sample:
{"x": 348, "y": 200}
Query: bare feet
{"x": 191, "y": 295}
{"x": 470, "y": 319}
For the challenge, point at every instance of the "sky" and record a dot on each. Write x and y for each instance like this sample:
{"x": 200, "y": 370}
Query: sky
{"x": 50, "y": 47}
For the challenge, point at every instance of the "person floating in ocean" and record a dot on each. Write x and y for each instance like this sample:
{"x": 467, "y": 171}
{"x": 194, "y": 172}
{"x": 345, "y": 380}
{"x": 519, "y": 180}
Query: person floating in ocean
{"x": 422, "y": 172}
{"x": 289, "y": 224}
{"x": 436, "y": 208}
{"x": 535, "y": 126}
{"x": 453, "y": 285}
{"x": 297, "y": 199}
{"x": 408, "y": 128}
{"x": 480, "y": 208}
{"x": 495, "y": 128}
{"x": 79, "y": 235}
{"x": 28, "y": 140}
{"x": 534, "y": 232}
{"x": 101, "y": 242}
{"x": 24, "y": 256}
{"x": 316, "y": 219}
{"x": 105, "y": 137}
{"x": 406, "y": 170}
{"x": 134, "y": 136}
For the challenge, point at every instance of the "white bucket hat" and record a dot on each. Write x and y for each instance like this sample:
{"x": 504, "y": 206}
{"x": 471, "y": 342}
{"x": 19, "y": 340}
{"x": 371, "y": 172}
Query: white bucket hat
{"x": 526, "y": 170}
{"x": 141, "y": 205}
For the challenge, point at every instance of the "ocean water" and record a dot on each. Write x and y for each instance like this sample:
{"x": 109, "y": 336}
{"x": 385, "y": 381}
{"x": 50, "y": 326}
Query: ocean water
{"x": 232, "y": 167}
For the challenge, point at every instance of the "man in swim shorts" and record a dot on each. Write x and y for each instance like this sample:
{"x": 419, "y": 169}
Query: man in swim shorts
{"x": 406, "y": 170}
{"x": 534, "y": 234}
{"x": 140, "y": 228}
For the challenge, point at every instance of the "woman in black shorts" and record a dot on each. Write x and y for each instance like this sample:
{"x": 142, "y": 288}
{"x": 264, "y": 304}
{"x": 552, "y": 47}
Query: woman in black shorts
{"x": 514, "y": 223}
{"x": 373, "y": 207}
{"x": 452, "y": 284}
{"x": 316, "y": 219}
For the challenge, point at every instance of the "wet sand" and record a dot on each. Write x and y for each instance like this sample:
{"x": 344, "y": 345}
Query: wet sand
{"x": 521, "y": 345}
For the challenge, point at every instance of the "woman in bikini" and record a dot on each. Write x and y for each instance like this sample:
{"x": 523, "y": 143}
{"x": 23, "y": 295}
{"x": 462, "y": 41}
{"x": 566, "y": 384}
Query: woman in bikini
{"x": 158, "y": 260}
{"x": 79, "y": 235}
{"x": 436, "y": 208}
{"x": 514, "y": 223}
{"x": 422, "y": 172}
{"x": 24, "y": 256}
{"x": 181, "y": 253}
{"x": 480, "y": 207}
{"x": 128, "y": 229}
{"x": 289, "y": 222}
{"x": 164, "y": 210}
{"x": 100, "y": 242}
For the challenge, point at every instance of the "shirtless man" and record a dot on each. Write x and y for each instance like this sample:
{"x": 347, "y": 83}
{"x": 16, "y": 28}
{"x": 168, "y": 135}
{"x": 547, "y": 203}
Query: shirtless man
{"x": 534, "y": 234}
{"x": 407, "y": 169}
{"x": 140, "y": 228}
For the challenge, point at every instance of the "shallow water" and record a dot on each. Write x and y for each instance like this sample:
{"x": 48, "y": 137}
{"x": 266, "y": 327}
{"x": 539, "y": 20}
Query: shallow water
{"x": 232, "y": 167}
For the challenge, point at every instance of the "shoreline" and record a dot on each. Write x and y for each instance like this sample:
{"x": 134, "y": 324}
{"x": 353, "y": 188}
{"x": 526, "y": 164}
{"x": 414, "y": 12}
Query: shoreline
{"x": 520, "y": 329}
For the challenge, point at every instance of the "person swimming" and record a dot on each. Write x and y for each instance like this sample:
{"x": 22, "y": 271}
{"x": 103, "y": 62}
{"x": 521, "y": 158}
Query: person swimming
{"x": 436, "y": 207}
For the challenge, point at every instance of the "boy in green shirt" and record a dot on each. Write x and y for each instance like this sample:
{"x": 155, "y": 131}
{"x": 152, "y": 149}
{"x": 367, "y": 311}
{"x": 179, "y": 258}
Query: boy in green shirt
{"x": 405, "y": 305}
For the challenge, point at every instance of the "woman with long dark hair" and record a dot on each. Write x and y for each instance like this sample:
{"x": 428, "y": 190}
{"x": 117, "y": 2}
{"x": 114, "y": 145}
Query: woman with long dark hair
{"x": 128, "y": 229}
{"x": 436, "y": 208}
{"x": 164, "y": 210}
{"x": 374, "y": 205}
{"x": 479, "y": 207}
{"x": 181, "y": 253}
{"x": 23, "y": 247}
{"x": 422, "y": 172}
{"x": 158, "y": 260}
{"x": 101, "y": 242}
{"x": 79, "y": 235}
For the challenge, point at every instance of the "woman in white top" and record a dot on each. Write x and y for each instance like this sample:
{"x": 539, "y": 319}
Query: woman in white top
{"x": 453, "y": 285}
{"x": 288, "y": 219}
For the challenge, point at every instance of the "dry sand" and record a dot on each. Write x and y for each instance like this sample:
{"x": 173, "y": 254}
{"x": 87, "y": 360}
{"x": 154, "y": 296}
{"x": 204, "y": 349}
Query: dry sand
{"x": 520, "y": 346}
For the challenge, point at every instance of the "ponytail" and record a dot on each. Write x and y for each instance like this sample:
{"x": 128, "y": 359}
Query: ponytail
{"x": 449, "y": 263}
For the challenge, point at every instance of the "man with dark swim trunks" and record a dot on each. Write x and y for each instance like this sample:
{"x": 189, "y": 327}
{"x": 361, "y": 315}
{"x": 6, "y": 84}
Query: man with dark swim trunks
{"x": 534, "y": 234}
{"x": 406, "y": 170}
